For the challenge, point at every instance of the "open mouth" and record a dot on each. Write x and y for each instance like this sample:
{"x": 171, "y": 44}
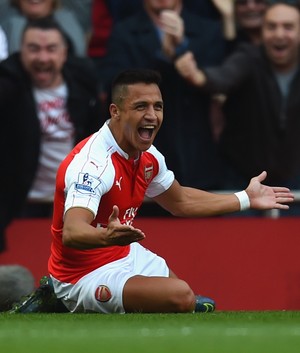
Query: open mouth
{"x": 146, "y": 132}
{"x": 41, "y": 74}
{"x": 41, "y": 70}
{"x": 279, "y": 49}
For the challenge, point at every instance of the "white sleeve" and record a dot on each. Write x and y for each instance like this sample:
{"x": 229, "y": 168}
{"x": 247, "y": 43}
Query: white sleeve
{"x": 163, "y": 180}
{"x": 85, "y": 188}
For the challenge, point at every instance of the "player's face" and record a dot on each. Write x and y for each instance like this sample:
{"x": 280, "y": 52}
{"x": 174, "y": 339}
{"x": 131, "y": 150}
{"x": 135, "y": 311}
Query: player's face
{"x": 36, "y": 8}
{"x": 281, "y": 36}
{"x": 140, "y": 118}
{"x": 43, "y": 54}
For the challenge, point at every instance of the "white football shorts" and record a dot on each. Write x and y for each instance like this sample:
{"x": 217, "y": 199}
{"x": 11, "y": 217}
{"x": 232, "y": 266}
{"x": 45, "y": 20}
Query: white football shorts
{"x": 102, "y": 289}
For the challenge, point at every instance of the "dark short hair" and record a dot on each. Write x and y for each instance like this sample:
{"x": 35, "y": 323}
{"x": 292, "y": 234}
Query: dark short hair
{"x": 131, "y": 77}
{"x": 45, "y": 23}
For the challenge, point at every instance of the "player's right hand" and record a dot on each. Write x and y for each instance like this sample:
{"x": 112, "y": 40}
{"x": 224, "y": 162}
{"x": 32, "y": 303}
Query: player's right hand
{"x": 121, "y": 234}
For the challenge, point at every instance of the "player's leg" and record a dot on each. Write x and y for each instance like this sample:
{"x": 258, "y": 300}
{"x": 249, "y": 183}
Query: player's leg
{"x": 157, "y": 294}
{"x": 203, "y": 304}
{"x": 158, "y": 289}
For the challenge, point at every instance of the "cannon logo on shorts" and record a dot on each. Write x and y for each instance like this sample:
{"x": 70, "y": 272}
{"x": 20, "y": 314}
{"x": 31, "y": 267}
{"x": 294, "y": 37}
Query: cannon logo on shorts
{"x": 86, "y": 183}
{"x": 103, "y": 294}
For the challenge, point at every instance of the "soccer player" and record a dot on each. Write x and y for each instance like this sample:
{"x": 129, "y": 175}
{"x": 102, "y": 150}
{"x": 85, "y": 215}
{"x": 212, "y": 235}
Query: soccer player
{"x": 97, "y": 262}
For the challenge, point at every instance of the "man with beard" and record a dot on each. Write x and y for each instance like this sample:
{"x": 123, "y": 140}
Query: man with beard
{"x": 262, "y": 109}
{"x": 48, "y": 102}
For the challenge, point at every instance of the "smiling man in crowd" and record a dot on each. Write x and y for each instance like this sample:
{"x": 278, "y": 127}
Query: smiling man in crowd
{"x": 48, "y": 102}
{"x": 262, "y": 85}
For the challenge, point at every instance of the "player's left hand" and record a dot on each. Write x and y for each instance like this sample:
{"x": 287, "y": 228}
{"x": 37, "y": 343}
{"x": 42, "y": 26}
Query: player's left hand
{"x": 263, "y": 197}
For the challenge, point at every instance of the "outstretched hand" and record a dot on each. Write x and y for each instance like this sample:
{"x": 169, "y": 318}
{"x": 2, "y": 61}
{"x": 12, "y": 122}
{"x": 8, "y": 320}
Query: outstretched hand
{"x": 263, "y": 197}
{"x": 121, "y": 234}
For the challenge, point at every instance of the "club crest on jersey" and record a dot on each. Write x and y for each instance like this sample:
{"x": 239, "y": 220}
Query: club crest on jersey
{"x": 103, "y": 294}
{"x": 86, "y": 183}
{"x": 148, "y": 172}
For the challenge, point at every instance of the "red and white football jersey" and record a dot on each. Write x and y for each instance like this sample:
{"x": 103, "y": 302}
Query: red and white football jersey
{"x": 97, "y": 175}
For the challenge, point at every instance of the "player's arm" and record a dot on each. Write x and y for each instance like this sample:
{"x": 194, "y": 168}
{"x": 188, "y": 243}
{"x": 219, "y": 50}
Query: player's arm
{"x": 189, "y": 202}
{"x": 79, "y": 233}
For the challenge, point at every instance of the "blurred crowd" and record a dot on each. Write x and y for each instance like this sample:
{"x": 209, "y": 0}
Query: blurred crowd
{"x": 230, "y": 74}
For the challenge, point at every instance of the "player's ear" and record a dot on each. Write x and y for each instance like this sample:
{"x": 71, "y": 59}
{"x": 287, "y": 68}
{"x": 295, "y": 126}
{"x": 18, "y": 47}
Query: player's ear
{"x": 114, "y": 111}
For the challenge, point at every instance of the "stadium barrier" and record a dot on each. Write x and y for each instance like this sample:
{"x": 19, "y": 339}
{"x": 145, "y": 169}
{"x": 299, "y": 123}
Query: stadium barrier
{"x": 243, "y": 263}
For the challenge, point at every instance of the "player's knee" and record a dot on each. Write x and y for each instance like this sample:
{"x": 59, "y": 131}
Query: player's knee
{"x": 184, "y": 298}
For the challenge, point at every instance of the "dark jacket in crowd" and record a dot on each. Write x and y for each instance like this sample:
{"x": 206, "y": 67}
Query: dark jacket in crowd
{"x": 20, "y": 129}
{"x": 262, "y": 129}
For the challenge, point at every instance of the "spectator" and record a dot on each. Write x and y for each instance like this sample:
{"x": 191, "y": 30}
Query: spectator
{"x": 105, "y": 13}
{"x": 97, "y": 263}
{"x": 263, "y": 107}
{"x": 14, "y": 24}
{"x": 48, "y": 102}
{"x": 149, "y": 39}
{"x": 3, "y": 45}
{"x": 249, "y": 18}
{"x": 242, "y": 19}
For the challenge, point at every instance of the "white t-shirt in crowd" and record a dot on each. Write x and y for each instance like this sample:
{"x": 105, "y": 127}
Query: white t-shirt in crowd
{"x": 57, "y": 139}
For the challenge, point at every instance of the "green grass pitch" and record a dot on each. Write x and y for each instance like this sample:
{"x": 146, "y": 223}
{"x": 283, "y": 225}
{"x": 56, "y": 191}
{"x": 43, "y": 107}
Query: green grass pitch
{"x": 219, "y": 332}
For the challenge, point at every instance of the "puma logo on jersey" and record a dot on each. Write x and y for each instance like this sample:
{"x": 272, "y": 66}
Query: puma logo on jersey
{"x": 118, "y": 183}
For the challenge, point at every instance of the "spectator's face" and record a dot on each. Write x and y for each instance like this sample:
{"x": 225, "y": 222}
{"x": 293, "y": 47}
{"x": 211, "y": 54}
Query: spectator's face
{"x": 249, "y": 13}
{"x": 156, "y": 6}
{"x": 281, "y": 36}
{"x": 138, "y": 119}
{"x": 36, "y": 8}
{"x": 43, "y": 54}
